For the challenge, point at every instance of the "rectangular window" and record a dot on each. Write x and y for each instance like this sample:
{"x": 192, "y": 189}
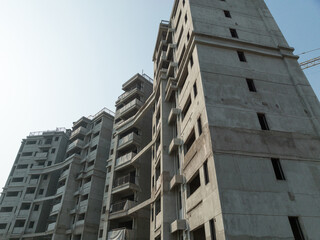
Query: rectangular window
{"x": 234, "y": 33}
{"x": 158, "y": 206}
{"x": 6, "y": 209}
{"x": 227, "y": 14}
{"x": 53, "y": 150}
{"x": 26, "y": 154}
{"x": 190, "y": 140}
{"x": 251, "y": 86}
{"x": 195, "y": 90}
{"x": 277, "y": 169}
{"x": 263, "y": 121}
{"x": 3, "y": 225}
{"x": 36, "y": 207}
{"x": 186, "y": 18}
{"x": 212, "y": 230}
{"x": 199, "y": 126}
{"x": 191, "y": 61}
{"x": 206, "y": 173}
{"x": 31, "y": 224}
{"x": 56, "y": 139}
{"x": 12, "y": 194}
{"x": 22, "y": 166}
{"x": 25, "y": 206}
{"x": 31, "y": 142}
{"x": 194, "y": 184}
{"x": 100, "y": 233}
{"x": 41, "y": 191}
{"x": 241, "y": 56}
{"x": 18, "y": 179}
{"x": 19, "y": 223}
{"x": 30, "y": 190}
{"x": 186, "y": 107}
{"x": 296, "y": 228}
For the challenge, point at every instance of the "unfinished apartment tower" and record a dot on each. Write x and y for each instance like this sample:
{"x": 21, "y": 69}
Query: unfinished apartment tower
{"x": 236, "y": 125}
{"x": 26, "y": 198}
{"x": 125, "y": 213}
{"x": 75, "y": 214}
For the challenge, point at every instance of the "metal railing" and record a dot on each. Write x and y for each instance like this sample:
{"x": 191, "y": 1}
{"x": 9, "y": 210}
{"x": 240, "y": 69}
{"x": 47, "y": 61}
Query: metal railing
{"x": 119, "y": 206}
{"x": 123, "y": 180}
{"x": 125, "y": 158}
{"x": 106, "y": 110}
{"x": 147, "y": 77}
{"x": 47, "y": 131}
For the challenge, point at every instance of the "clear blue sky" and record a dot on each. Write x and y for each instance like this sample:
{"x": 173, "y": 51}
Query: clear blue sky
{"x": 63, "y": 59}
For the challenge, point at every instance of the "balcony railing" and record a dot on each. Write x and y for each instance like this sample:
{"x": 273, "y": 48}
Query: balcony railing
{"x": 134, "y": 102}
{"x": 125, "y": 158}
{"x": 122, "y": 206}
{"x": 41, "y": 155}
{"x": 124, "y": 180}
{"x": 51, "y": 226}
{"x": 77, "y": 143}
{"x": 79, "y": 130}
{"x": 121, "y": 234}
{"x": 128, "y": 138}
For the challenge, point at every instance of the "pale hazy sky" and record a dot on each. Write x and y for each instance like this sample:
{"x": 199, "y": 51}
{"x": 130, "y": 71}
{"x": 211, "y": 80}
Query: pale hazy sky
{"x": 63, "y": 59}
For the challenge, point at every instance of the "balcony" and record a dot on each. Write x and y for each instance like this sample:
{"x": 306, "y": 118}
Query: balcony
{"x": 41, "y": 156}
{"x": 125, "y": 183}
{"x": 128, "y": 108}
{"x": 178, "y": 225}
{"x": 80, "y": 131}
{"x": 128, "y": 139}
{"x": 61, "y": 189}
{"x": 122, "y": 206}
{"x": 51, "y": 226}
{"x": 77, "y": 144}
{"x": 56, "y": 208}
{"x": 121, "y": 234}
{"x": 18, "y": 230}
{"x": 128, "y": 94}
{"x": 125, "y": 159}
{"x": 64, "y": 174}
{"x": 175, "y": 143}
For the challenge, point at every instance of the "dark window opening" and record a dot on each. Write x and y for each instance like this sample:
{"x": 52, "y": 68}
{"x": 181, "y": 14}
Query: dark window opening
{"x": 277, "y": 169}
{"x": 251, "y": 86}
{"x": 186, "y": 107}
{"x": 12, "y": 194}
{"x": 20, "y": 179}
{"x": 41, "y": 191}
{"x": 234, "y": 33}
{"x": 241, "y": 56}
{"x": 212, "y": 230}
{"x": 263, "y": 121}
{"x": 194, "y": 184}
{"x": 199, "y": 126}
{"x": 158, "y": 206}
{"x": 206, "y": 172}
{"x": 25, "y": 206}
{"x": 190, "y": 140}
{"x": 36, "y": 207}
{"x": 296, "y": 228}
{"x": 56, "y": 139}
{"x": 31, "y": 224}
{"x": 100, "y": 233}
{"x": 30, "y": 190}
{"x": 26, "y": 154}
{"x": 22, "y": 166}
{"x": 227, "y": 14}
{"x": 199, "y": 234}
{"x": 195, "y": 90}
{"x": 19, "y": 223}
{"x": 81, "y": 216}
{"x": 191, "y": 61}
{"x": 6, "y": 209}
{"x": 53, "y": 150}
{"x": 31, "y": 142}
{"x": 3, "y": 225}
{"x": 186, "y": 18}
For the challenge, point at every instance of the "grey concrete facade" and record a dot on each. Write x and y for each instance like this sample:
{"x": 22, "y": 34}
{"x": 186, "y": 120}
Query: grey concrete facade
{"x": 238, "y": 150}
{"x": 125, "y": 213}
{"x": 26, "y": 198}
{"x": 66, "y": 173}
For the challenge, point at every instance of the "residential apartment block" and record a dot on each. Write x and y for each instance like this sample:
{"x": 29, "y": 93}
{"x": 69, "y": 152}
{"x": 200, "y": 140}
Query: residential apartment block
{"x": 25, "y": 201}
{"x": 55, "y": 189}
{"x": 237, "y": 152}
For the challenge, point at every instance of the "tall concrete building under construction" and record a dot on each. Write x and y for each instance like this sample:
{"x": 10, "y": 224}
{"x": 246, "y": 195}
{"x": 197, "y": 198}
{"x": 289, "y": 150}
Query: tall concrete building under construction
{"x": 223, "y": 144}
